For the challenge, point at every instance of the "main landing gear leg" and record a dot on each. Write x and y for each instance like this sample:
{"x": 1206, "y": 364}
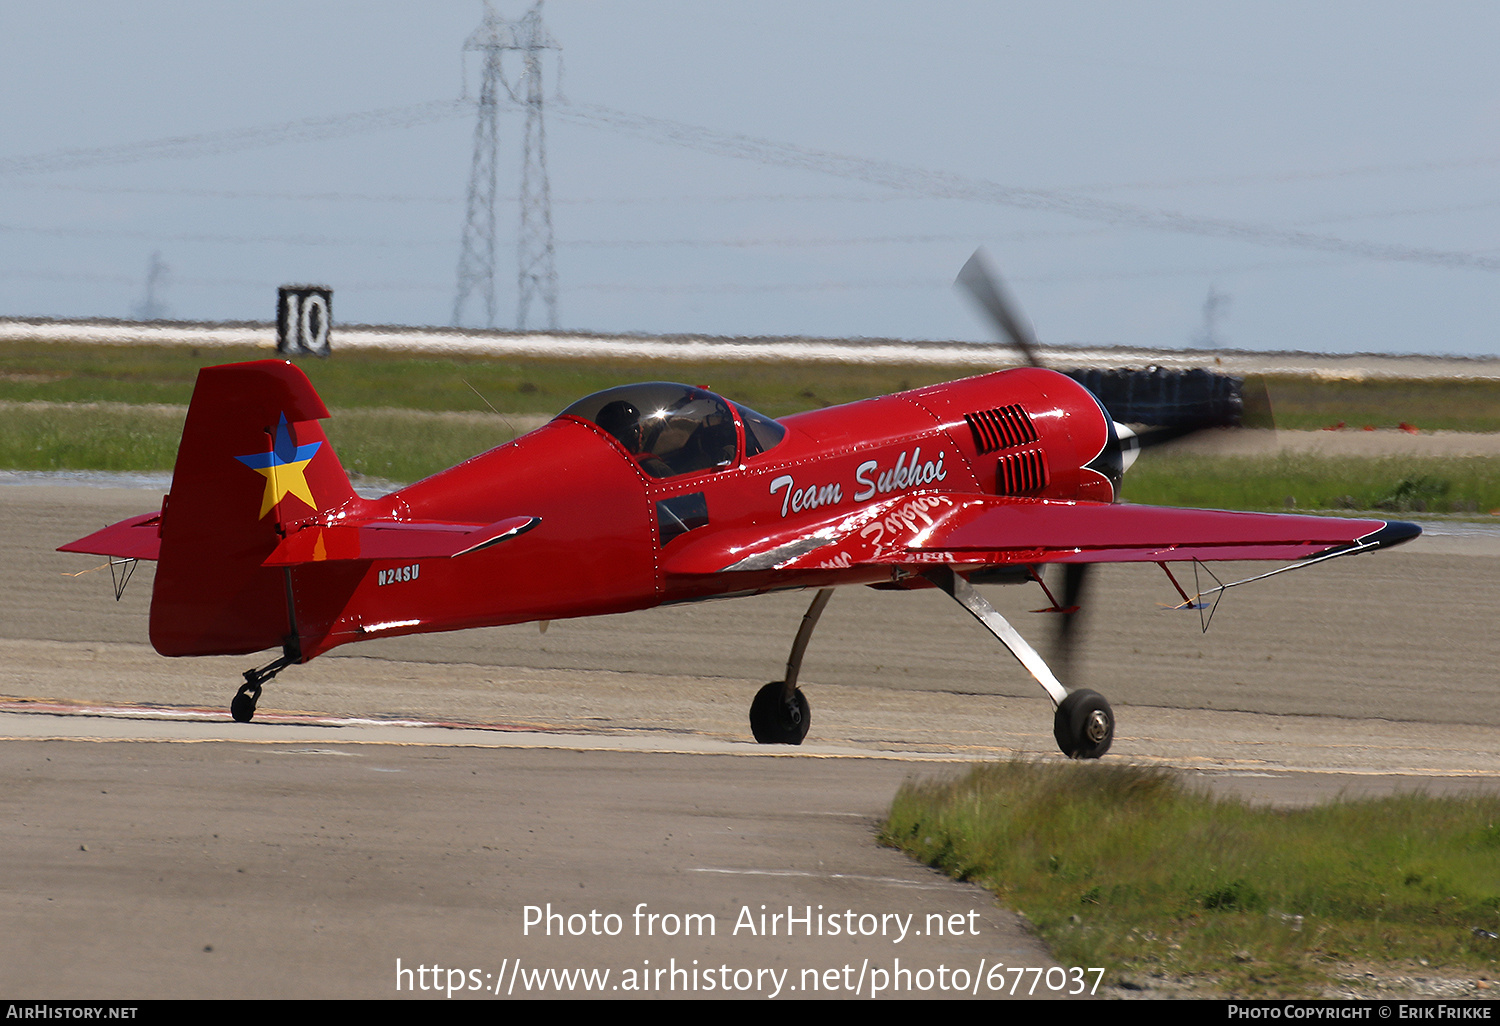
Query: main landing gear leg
{"x": 1084, "y": 724}
{"x": 780, "y": 714}
{"x": 242, "y": 708}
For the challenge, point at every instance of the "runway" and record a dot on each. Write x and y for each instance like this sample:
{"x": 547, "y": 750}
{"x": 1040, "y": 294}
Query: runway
{"x": 410, "y": 798}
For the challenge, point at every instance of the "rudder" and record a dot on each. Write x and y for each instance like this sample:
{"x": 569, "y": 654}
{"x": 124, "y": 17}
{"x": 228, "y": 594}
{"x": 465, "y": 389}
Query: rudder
{"x": 253, "y": 460}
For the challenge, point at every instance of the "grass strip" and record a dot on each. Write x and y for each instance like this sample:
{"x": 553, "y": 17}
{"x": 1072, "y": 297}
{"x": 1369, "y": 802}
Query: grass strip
{"x": 406, "y": 445}
{"x": 72, "y": 373}
{"x": 368, "y": 389}
{"x": 393, "y": 445}
{"x": 76, "y": 372}
{"x": 1398, "y": 484}
{"x": 1125, "y": 867}
{"x": 1443, "y": 404}
{"x": 90, "y": 437}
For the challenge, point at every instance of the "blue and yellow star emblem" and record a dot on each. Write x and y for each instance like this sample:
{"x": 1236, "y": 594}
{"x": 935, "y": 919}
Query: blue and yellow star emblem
{"x": 284, "y": 468}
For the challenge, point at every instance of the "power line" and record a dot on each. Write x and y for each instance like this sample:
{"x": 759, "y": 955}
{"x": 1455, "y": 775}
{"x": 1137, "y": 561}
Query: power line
{"x": 407, "y": 285}
{"x": 362, "y": 197}
{"x": 827, "y": 197}
{"x": 947, "y": 185}
{"x": 235, "y": 194}
{"x": 204, "y": 144}
{"x": 885, "y": 174}
{"x": 33, "y": 274}
{"x": 218, "y": 239}
{"x": 1292, "y": 177}
{"x": 790, "y": 242}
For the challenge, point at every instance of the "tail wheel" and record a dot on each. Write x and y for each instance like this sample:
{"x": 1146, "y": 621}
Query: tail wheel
{"x": 242, "y": 708}
{"x": 777, "y": 720}
{"x": 1084, "y": 725}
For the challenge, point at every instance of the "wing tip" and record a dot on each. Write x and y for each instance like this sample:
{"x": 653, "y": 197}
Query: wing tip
{"x": 1393, "y": 532}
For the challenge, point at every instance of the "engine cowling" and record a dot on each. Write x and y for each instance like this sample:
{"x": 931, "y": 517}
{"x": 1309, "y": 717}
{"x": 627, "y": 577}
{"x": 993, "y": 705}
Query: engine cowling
{"x": 1034, "y": 433}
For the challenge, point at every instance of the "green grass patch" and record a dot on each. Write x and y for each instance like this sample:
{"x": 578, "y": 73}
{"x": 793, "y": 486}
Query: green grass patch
{"x": 393, "y": 445}
{"x": 405, "y": 445}
{"x": 1455, "y": 404}
{"x": 119, "y": 438}
{"x": 1398, "y": 484}
{"x": 1125, "y": 867}
{"x": 74, "y": 373}
{"x": 368, "y": 389}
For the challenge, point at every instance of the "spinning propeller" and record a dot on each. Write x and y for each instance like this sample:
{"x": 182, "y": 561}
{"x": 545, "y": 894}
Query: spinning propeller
{"x": 983, "y": 285}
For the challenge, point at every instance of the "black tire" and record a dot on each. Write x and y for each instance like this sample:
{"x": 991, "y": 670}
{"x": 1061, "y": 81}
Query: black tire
{"x": 242, "y": 708}
{"x": 773, "y": 721}
{"x": 1084, "y": 725}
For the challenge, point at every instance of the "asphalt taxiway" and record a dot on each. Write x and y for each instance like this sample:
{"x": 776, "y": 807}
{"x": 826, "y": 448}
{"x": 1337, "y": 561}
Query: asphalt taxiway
{"x": 411, "y": 799}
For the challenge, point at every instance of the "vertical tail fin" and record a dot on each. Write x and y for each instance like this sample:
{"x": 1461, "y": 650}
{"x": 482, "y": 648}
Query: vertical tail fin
{"x": 252, "y": 461}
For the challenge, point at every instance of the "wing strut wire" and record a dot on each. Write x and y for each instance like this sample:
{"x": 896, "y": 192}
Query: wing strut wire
{"x": 1056, "y": 607}
{"x": 121, "y": 576}
{"x": 1200, "y": 600}
{"x": 1206, "y": 611}
{"x": 1197, "y": 602}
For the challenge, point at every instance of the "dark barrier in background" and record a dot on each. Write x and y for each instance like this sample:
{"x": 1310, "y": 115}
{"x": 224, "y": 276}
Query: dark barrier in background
{"x": 1163, "y": 398}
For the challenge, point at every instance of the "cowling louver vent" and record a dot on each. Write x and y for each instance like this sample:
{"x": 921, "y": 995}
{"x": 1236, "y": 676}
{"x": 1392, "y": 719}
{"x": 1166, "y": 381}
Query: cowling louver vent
{"x": 1021, "y": 473}
{"x": 1000, "y": 428}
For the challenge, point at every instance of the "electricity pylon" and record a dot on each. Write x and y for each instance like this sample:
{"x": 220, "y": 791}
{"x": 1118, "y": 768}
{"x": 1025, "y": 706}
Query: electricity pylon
{"x": 537, "y": 277}
{"x": 537, "y": 272}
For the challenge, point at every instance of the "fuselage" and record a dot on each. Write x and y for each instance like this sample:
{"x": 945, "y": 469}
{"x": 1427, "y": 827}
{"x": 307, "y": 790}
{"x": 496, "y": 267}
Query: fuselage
{"x": 623, "y": 515}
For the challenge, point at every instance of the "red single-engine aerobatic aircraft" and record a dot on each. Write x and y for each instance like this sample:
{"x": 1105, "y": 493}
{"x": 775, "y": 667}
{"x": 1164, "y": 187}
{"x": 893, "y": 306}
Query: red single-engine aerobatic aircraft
{"x": 656, "y": 493}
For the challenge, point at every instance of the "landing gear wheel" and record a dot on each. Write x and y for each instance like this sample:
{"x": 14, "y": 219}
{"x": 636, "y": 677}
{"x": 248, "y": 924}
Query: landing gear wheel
{"x": 1084, "y": 725}
{"x": 242, "y": 708}
{"x": 774, "y": 720}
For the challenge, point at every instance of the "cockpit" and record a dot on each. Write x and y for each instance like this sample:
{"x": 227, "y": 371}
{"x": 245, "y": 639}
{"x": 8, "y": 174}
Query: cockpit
{"x": 675, "y": 429}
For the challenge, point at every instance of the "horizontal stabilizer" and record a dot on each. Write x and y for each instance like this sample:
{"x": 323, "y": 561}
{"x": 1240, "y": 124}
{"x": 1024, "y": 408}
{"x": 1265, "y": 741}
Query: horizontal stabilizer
{"x": 136, "y": 538}
{"x": 394, "y": 539}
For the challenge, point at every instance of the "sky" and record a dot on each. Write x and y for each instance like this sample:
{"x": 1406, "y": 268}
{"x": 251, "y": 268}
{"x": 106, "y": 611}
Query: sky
{"x": 1266, "y": 175}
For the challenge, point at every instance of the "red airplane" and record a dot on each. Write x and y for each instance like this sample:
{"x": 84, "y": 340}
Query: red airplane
{"x": 657, "y": 493}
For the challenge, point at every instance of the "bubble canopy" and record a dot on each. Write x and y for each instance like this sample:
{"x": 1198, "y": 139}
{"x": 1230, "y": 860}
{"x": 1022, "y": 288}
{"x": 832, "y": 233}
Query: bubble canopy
{"x": 674, "y": 429}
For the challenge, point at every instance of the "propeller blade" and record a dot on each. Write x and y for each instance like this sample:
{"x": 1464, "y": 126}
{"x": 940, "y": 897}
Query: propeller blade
{"x": 983, "y": 285}
{"x": 1151, "y": 438}
{"x": 1075, "y": 588}
{"x": 1257, "y": 405}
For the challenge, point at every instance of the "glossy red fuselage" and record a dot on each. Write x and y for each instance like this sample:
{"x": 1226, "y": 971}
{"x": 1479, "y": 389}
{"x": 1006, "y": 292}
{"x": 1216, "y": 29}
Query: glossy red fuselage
{"x": 599, "y": 544}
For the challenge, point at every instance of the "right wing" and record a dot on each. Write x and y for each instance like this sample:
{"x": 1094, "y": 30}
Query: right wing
{"x": 963, "y": 529}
